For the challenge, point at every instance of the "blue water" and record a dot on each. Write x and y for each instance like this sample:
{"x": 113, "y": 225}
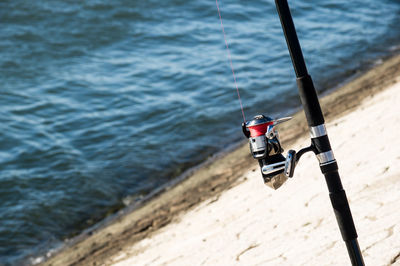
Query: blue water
{"x": 104, "y": 101}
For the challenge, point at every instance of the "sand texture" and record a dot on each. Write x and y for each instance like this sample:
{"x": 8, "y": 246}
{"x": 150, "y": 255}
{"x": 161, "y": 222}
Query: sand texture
{"x": 223, "y": 214}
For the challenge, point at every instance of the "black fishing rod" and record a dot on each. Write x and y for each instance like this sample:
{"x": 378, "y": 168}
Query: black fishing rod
{"x": 319, "y": 136}
{"x": 265, "y": 144}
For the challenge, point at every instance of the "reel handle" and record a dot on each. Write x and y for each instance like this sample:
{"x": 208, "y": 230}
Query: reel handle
{"x": 287, "y": 165}
{"x": 290, "y": 163}
{"x": 274, "y": 168}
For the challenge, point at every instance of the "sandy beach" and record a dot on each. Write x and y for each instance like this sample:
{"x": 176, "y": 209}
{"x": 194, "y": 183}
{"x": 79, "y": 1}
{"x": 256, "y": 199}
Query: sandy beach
{"x": 223, "y": 214}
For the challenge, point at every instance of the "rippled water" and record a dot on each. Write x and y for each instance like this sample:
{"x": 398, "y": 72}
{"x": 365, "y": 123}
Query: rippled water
{"x": 101, "y": 100}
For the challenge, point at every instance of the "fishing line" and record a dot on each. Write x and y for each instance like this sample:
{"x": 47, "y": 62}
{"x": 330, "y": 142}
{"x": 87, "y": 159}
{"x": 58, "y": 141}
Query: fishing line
{"x": 230, "y": 61}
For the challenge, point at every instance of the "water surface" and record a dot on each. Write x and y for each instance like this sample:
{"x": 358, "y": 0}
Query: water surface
{"x": 104, "y": 101}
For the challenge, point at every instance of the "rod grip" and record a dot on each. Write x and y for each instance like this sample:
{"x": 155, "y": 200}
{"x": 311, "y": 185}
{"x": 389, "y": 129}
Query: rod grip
{"x": 343, "y": 215}
{"x": 340, "y": 206}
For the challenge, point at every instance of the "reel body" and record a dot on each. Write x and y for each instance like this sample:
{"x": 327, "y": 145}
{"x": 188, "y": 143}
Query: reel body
{"x": 265, "y": 146}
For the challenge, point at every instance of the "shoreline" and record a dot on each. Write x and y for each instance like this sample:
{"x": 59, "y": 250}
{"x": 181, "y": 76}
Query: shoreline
{"x": 250, "y": 224}
{"x": 210, "y": 179}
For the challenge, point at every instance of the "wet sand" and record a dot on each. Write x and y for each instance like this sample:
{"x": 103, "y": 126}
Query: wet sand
{"x": 230, "y": 185}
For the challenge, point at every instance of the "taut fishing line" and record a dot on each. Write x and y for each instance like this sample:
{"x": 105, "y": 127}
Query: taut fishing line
{"x": 263, "y": 138}
{"x": 230, "y": 61}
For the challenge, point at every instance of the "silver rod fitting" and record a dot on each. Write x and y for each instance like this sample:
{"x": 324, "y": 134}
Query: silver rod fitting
{"x": 318, "y": 131}
{"x": 326, "y": 157}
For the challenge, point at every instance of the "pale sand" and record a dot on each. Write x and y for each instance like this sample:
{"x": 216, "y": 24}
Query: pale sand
{"x": 250, "y": 224}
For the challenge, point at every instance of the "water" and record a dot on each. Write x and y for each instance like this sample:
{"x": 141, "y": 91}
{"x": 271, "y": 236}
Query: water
{"x": 103, "y": 101}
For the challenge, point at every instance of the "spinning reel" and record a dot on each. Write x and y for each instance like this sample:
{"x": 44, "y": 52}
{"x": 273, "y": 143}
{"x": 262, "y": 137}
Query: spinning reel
{"x": 265, "y": 146}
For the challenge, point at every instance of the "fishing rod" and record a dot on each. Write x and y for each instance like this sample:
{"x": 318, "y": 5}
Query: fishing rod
{"x": 320, "y": 144}
{"x": 265, "y": 144}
